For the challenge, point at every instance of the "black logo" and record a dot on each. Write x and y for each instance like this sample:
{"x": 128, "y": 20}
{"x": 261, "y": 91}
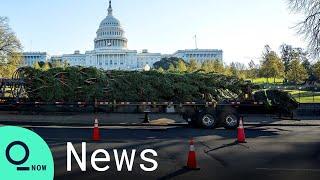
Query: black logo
{"x": 23, "y": 160}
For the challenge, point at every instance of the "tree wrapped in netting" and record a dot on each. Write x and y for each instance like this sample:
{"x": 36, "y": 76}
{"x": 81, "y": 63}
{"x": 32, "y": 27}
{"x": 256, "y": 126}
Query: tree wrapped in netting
{"x": 64, "y": 84}
{"x": 88, "y": 84}
{"x": 277, "y": 98}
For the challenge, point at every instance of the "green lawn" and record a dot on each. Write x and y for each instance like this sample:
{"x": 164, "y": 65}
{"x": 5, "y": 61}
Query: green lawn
{"x": 264, "y": 80}
{"x": 309, "y": 99}
{"x": 305, "y": 96}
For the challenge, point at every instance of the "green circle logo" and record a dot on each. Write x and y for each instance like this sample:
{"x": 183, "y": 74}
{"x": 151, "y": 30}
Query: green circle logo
{"x": 24, "y": 155}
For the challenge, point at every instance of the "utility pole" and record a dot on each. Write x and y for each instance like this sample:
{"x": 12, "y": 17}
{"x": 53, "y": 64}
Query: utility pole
{"x": 195, "y": 41}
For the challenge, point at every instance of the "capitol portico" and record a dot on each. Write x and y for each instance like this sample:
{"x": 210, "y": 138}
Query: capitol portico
{"x": 111, "y": 52}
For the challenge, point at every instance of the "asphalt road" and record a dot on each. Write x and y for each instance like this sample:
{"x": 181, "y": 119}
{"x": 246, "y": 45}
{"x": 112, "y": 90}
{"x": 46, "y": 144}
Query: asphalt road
{"x": 270, "y": 152}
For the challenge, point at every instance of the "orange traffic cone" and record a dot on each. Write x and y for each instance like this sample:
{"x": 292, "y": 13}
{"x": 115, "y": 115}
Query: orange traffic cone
{"x": 241, "y": 134}
{"x": 96, "y": 132}
{"x": 192, "y": 160}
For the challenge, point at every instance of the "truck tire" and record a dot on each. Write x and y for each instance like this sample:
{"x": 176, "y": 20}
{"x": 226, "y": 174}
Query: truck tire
{"x": 229, "y": 119}
{"x": 206, "y": 120}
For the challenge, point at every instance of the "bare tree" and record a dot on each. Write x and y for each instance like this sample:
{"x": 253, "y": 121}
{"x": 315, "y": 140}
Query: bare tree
{"x": 310, "y": 26}
{"x": 9, "y": 43}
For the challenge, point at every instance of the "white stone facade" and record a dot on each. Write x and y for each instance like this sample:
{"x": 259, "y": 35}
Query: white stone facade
{"x": 75, "y": 59}
{"x": 146, "y": 58}
{"x": 30, "y": 58}
{"x": 200, "y": 55}
{"x": 112, "y": 59}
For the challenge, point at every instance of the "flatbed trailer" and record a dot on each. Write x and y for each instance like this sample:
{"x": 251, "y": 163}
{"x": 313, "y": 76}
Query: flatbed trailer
{"x": 202, "y": 113}
{"x": 197, "y": 114}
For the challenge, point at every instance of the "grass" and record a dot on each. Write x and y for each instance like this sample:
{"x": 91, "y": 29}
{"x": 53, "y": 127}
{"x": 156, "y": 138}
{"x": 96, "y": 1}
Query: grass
{"x": 305, "y": 96}
{"x": 309, "y": 99}
{"x": 265, "y": 80}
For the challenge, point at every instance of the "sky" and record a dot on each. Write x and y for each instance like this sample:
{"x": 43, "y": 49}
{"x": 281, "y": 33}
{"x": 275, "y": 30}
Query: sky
{"x": 241, "y": 28}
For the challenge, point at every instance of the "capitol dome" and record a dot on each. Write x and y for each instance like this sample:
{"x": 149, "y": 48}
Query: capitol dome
{"x": 110, "y": 34}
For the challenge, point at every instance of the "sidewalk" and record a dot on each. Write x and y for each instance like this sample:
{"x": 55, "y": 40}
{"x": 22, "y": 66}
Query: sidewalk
{"x": 269, "y": 120}
{"x": 137, "y": 119}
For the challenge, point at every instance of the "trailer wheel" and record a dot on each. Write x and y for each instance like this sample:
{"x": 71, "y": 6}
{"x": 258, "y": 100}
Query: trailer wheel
{"x": 230, "y": 119}
{"x": 206, "y": 120}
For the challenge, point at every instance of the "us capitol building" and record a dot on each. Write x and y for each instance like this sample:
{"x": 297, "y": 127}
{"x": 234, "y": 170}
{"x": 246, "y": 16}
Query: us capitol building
{"x": 111, "y": 52}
